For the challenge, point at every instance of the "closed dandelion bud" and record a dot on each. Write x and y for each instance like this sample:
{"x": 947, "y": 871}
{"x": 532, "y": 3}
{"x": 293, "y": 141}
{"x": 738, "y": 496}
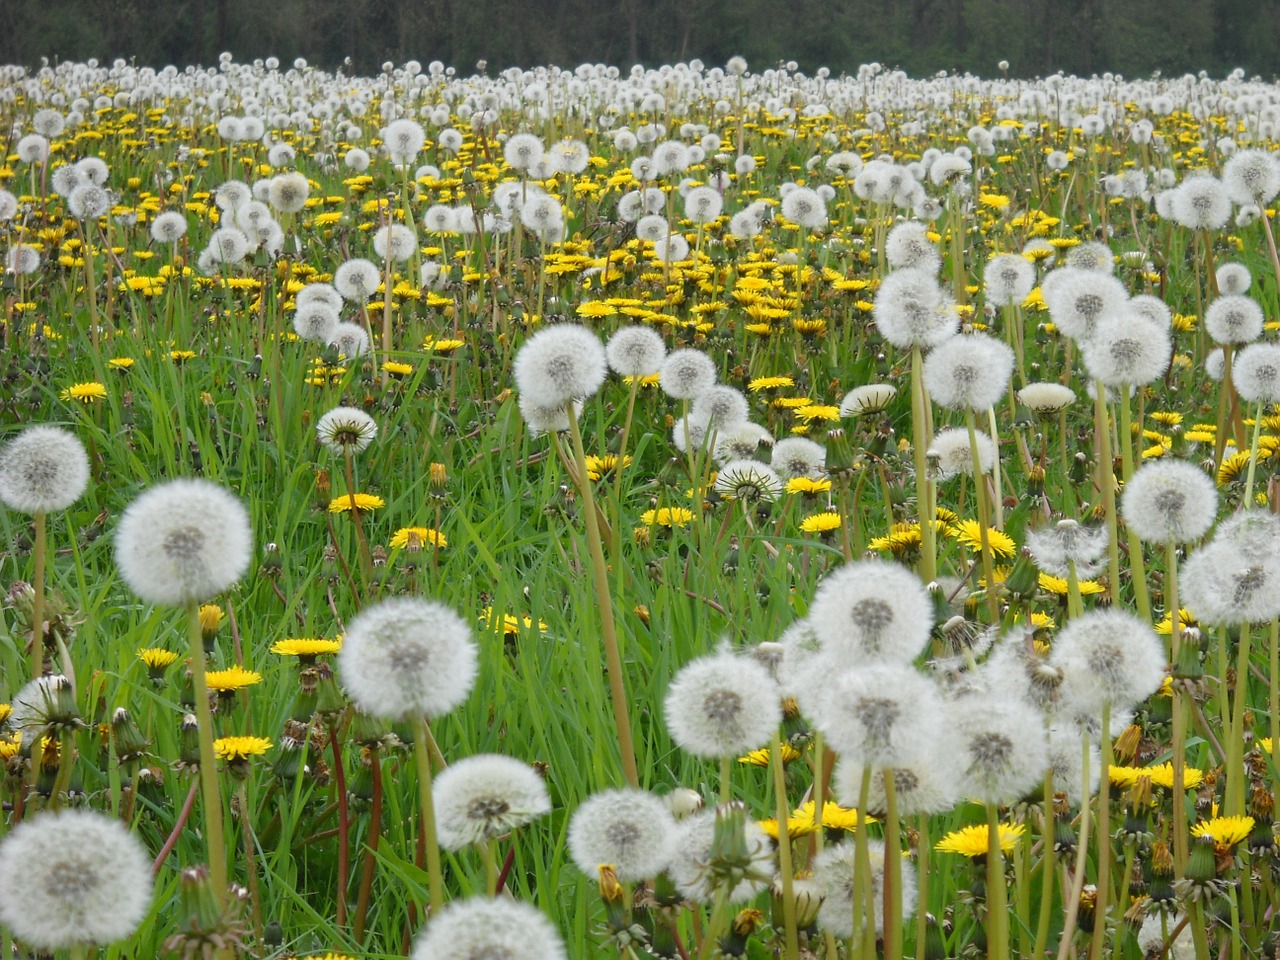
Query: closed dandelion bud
{"x": 323, "y": 489}
{"x": 1262, "y": 839}
{"x": 935, "y": 947}
{"x": 840, "y": 456}
{"x": 1064, "y": 838}
{"x": 1201, "y": 865}
{"x": 292, "y": 752}
{"x": 1262, "y": 803}
{"x": 618, "y": 917}
{"x": 189, "y": 742}
{"x": 684, "y": 802}
{"x": 1023, "y": 580}
{"x": 1088, "y": 908}
{"x": 126, "y": 738}
{"x": 805, "y": 894}
{"x": 1189, "y": 666}
{"x": 438, "y": 475}
{"x": 210, "y": 621}
{"x": 1079, "y": 469}
{"x": 272, "y": 564}
{"x": 329, "y": 697}
{"x": 1035, "y": 482}
{"x": 1126, "y": 745}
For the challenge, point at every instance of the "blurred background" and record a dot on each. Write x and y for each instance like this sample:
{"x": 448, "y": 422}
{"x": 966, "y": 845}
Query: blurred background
{"x": 1132, "y": 37}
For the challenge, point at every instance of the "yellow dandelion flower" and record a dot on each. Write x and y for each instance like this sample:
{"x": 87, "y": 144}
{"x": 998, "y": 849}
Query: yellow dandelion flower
{"x": 1226, "y": 832}
{"x": 974, "y": 840}
{"x": 1233, "y": 467}
{"x": 90, "y": 392}
{"x": 509, "y": 624}
{"x": 1185, "y": 618}
{"x": 969, "y": 533}
{"x": 240, "y": 748}
{"x": 397, "y": 370}
{"x": 770, "y": 383}
{"x": 596, "y": 308}
{"x": 123, "y": 364}
{"x": 416, "y": 537}
{"x": 817, "y": 411}
{"x": 607, "y": 465}
{"x": 667, "y": 517}
{"x": 181, "y": 356}
{"x": 807, "y": 485}
{"x": 1058, "y": 586}
{"x": 305, "y": 647}
{"x": 364, "y": 502}
{"x": 760, "y": 758}
{"x": 231, "y": 679}
{"x": 10, "y": 745}
{"x": 157, "y": 659}
{"x": 994, "y": 200}
{"x": 443, "y": 345}
{"x": 822, "y": 523}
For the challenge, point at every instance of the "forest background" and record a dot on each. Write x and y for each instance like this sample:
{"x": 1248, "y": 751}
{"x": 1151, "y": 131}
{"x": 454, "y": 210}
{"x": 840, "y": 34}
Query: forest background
{"x": 1036, "y": 37}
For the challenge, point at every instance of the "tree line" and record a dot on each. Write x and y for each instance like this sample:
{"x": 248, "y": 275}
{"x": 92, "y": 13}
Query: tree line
{"x": 1036, "y": 37}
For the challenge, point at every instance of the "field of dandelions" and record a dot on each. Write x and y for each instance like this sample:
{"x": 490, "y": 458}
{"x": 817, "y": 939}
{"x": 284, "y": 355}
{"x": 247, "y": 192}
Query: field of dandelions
{"x": 676, "y": 513}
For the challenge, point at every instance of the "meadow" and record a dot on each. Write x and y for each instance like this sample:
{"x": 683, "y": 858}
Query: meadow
{"x": 683, "y": 512}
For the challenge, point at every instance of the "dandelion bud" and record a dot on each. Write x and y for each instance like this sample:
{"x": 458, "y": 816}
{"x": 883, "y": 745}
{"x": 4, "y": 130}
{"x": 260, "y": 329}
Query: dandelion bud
{"x": 189, "y": 742}
{"x": 684, "y": 802}
{"x": 1023, "y": 580}
{"x": 1201, "y": 865}
{"x": 438, "y": 475}
{"x": 806, "y": 896}
{"x": 1189, "y": 666}
{"x": 127, "y": 740}
{"x": 210, "y": 621}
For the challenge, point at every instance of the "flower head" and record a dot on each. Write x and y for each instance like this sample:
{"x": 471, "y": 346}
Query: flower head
{"x": 73, "y": 878}
{"x": 183, "y": 541}
{"x": 635, "y": 351}
{"x": 239, "y": 749}
{"x": 558, "y": 364}
{"x": 969, "y": 372}
{"x": 748, "y": 480}
{"x": 722, "y": 705}
{"x": 1169, "y": 500}
{"x": 627, "y": 828}
{"x": 834, "y": 870}
{"x": 1108, "y": 656}
{"x": 358, "y": 502}
{"x": 482, "y": 797}
{"x": 305, "y": 647}
{"x": 686, "y": 373}
{"x": 43, "y": 469}
{"x": 975, "y": 840}
{"x": 407, "y": 657}
{"x": 346, "y": 430}
{"x": 231, "y": 679}
{"x": 484, "y": 927}
{"x": 871, "y": 610}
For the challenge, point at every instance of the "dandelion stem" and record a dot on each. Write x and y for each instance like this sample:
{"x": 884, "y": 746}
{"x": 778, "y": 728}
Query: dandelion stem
{"x": 1065, "y": 948}
{"x": 1048, "y": 854}
{"x": 924, "y": 849}
{"x": 984, "y": 520}
{"x": 608, "y": 631}
{"x": 212, "y": 798}
{"x": 371, "y": 851}
{"x": 919, "y": 447}
{"x": 1103, "y": 855}
{"x": 37, "y": 601}
{"x": 435, "y": 874}
{"x": 862, "y": 876}
{"x": 1179, "y": 746}
{"x": 893, "y": 940}
{"x": 996, "y": 915}
{"x": 782, "y": 808}
{"x": 1235, "y": 792}
{"x": 1247, "y": 502}
{"x": 1107, "y": 485}
{"x": 344, "y": 822}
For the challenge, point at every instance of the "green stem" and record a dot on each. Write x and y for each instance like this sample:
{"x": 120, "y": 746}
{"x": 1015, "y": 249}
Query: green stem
{"x": 1104, "y": 838}
{"x": 608, "y": 632}
{"x": 893, "y": 940}
{"x": 996, "y": 914}
{"x": 1181, "y": 838}
{"x": 37, "y": 601}
{"x": 782, "y": 809}
{"x": 422, "y": 757}
{"x": 1235, "y": 795}
{"x": 984, "y": 521}
{"x": 919, "y": 447}
{"x": 1107, "y": 485}
{"x": 1247, "y": 503}
{"x": 1065, "y": 947}
{"x": 210, "y": 794}
{"x": 1047, "y": 871}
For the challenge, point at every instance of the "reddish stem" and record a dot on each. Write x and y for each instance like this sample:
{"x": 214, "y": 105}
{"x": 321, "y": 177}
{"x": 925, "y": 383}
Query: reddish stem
{"x": 172, "y": 841}
{"x": 344, "y": 827}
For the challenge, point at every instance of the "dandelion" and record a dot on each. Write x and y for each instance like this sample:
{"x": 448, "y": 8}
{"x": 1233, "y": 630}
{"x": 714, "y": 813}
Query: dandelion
{"x": 43, "y": 469}
{"x": 627, "y": 828}
{"x": 1251, "y": 176}
{"x": 1169, "y": 501}
{"x": 950, "y": 452}
{"x": 231, "y": 679}
{"x": 407, "y": 657}
{"x": 240, "y": 749}
{"x": 1059, "y": 549}
{"x": 1003, "y": 747}
{"x": 1127, "y": 349}
{"x": 908, "y": 245}
{"x": 88, "y": 202}
{"x": 232, "y": 195}
{"x": 871, "y": 610}
{"x": 315, "y": 320}
{"x": 1256, "y": 373}
{"x": 748, "y": 481}
{"x": 686, "y": 373}
{"x": 350, "y": 340}
{"x": 357, "y": 280}
{"x": 974, "y": 841}
{"x": 182, "y": 542}
{"x": 489, "y": 927}
{"x": 559, "y": 363}
{"x": 805, "y": 207}
{"x": 834, "y": 871}
{"x": 356, "y": 503}
{"x": 722, "y": 705}
{"x": 968, "y": 372}
{"x": 720, "y": 407}
{"x": 1235, "y": 318}
{"x": 1046, "y": 398}
{"x": 926, "y": 777}
{"x": 798, "y": 457}
{"x": 418, "y": 536}
{"x": 1233, "y": 278}
{"x": 1201, "y": 203}
{"x": 635, "y": 351}
{"x": 483, "y": 797}
{"x": 403, "y": 139}
{"x": 73, "y": 878}
{"x": 718, "y": 853}
{"x": 1108, "y": 657}
{"x": 912, "y": 311}
{"x": 874, "y": 715}
{"x": 1077, "y": 298}
{"x": 1009, "y": 279}
{"x": 867, "y": 399}
{"x": 346, "y": 430}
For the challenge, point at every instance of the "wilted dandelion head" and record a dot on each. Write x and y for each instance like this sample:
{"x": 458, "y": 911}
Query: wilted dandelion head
{"x": 1256, "y": 373}
{"x": 912, "y": 311}
{"x": 1009, "y": 279}
{"x": 871, "y": 610}
{"x": 1003, "y": 747}
{"x": 43, "y": 469}
{"x": 1055, "y": 549}
{"x": 1226, "y": 585}
{"x": 316, "y": 320}
{"x": 874, "y": 715}
{"x": 908, "y": 245}
{"x": 72, "y": 879}
{"x": 168, "y": 227}
{"x": 1092, "y": 255}
{"x": 403, "y": 139}
{"x": 483, "y": 797}
{"x": 635, "y": 351}
{"x": 747, "y": 480}
{"x": 722, "y": 705}
{"x": 721, "y": 407}
{"x": 1201, "y": 203}
{"x": 628, "y": 829}
{"x": 357, "y": 279}
{"x": 1108, "y": 657}
{"x": 1127, "y": 349}
{"x": 687, "y": 372}
{"x": 182, "y": 542}
{"x": 950, "y": 453}
{"x": 834, "y": 870}
{"x": 231, "y": 195}
{"x": 798, "y": 457}
{"x": 346, "y": 430}
{"x": 805, "y": 207}
{"x": 559, "y": 363}
{"x": 1169, "y": 501}
{"x": 484, "y": 928}
{"x": 1233, "y": 278}
{"x": 1234, "y": 318}
{"x": 1251, "y": 176}
{"x": 1077, "y": 298}
{"x": 395, "y": 242}
{"x": 407, "y": 657}
{"x": 350, "y": 340}
{"x": 700, "y": 866}
{"x": 968, "y": 372}
{"x": 288, "y": 192}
